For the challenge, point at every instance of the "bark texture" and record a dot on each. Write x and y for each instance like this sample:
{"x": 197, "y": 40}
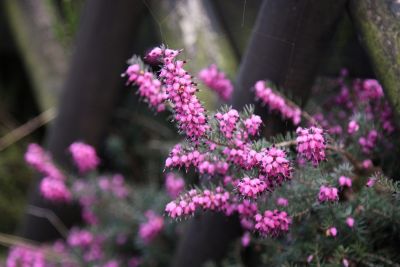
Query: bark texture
{"x": 104, "y": 42}
{"x": 378, "y": 25}
{"x": 287, "y": 42}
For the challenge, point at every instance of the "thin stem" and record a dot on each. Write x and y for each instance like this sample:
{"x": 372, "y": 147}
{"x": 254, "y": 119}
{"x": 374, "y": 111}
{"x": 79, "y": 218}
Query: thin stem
{"x": 51, "y": 217}
{"x": 27, "y": 128}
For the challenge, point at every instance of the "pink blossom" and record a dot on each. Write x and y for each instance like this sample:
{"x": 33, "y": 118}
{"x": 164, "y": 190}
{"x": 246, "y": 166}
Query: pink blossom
{"x": 150, "y": 88}
{"x": 371, "y": 182}
{"x": 371, "y": 90}
{"x": 345, "y": 181}
{"x": 185, "y": 205}
{"x": 38, "y": 159}
{"x": 327, "y": 194}
{"x": 272, "y": 223}
{"x": 310, "y": 258}
{"x": 178, "y": 157}
{"x": 276, "y": 102}
{"x": 174, "y": 184}
{"x": 80, "y": 238}
{"x": 151, "y": 227}
{"x": 84, "y": 156}
{"x": 246, "y": 238}
{"x": 274, "y": 165}
{"x": 188, "y": 111}
{"x": 281, "y": 201}
{"x": 332, "y": 231}
{"x": 20, "y": 256}
{"x": 367, "y": 164}
{"x": 227, "y": 122}
{"x": 111, "y": 263}
{"x": 251, "y": 187}
{"x": 345, "y": 263}
{"x": 311, "y": 144}
{"x": 368, "y": 142}
{"x": 350, "y": 221}
{"x": 253, "y": 124}
{"x": 55, "y": 190}
{"x": 353, "y": 127}
{"x": 217, "y": 81}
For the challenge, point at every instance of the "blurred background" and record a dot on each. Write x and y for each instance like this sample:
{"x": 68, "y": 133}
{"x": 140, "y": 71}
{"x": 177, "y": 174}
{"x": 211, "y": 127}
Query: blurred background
{"x": 60, "y": 76}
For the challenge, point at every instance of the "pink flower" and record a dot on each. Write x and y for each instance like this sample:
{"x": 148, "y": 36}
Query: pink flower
{"x": 328, "y": 194}
{"x": 345, "y": 263}
{"x": 84, "y": 156}
{"x": 368, "y": 143}
{"x": 253, "y": 124}
{"x": 150, "y": 88}
{"x": 217, "y": 81}
{"x": 353, "y": 127}
{"x": 251, "y": 187}
{"x": 26, "y": 257}
{"x": 345, "y": 181}
{"x": 276, "y": 102}
{"x": 272, "y": 223}
{"x": 371, "y": 90}
{"x": 227, "y": 122}
{"x": 350, "y": 221}
{"x": 275, "y": 165}
{"x": 38, "y": 159}
{"x": 185, "y": 205}
{"x": 80, "y": 238}
{"x": 332, "y": 231}
{"x": 282, "y": 202}
{"x": 246, "y": 238}
{"x": 151, "y": 227}
{"x": 367, "y": 164}
{"x": 311, "y": 144}
{"x": 174, "y": 184}
{"x": 371, "y": 182}
{"x": 310, "y": 258}
{"x": 55, "y": 190}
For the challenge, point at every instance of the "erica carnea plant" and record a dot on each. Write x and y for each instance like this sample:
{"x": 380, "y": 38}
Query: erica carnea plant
{"x": 315, "y": 196}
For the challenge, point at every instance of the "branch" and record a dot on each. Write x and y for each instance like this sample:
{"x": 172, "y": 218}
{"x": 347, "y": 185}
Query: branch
{"x": 27, "y": 128}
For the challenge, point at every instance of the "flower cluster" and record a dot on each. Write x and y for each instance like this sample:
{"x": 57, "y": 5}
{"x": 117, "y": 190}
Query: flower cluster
{"x": 227, "y": 122}
{"x": 174, "y": 184}
{"x": 20, "y": 256}
{"x": 345, "y": 181}
{"x": 150, "y": 88}
{"x": 253, "y": 124}
{"x": 152, "y": 227}
{"x": 272, "y": 223}
{"x": 327, "y": 194}
{"x": 353, "y": 127}
{"x": 276, "y": 103}
{"x": 274, "y": 165}
{"x": 189, "y": 112}
{"x": 217, "y": 81}
{"x": 311, "y": 144}
{"x": 114, "y": 184}
{"x": 52, "y": 186}
{"x": 84, "y": 156}
{"x": 186, "y": 204}
{"x": 251, "y": 188}
{"x": 368, "y": 142}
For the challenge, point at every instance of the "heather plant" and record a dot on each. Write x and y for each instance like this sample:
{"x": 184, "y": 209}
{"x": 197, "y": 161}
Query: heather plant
{"x": 315, "y": 196}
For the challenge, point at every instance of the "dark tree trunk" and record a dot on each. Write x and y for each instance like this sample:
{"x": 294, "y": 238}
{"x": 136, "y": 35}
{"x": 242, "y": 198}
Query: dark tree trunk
{"x": 104, "y": 42}
{"x": 286, "y": 45}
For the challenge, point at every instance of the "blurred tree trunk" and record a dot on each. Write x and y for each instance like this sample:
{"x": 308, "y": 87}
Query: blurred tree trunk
{"x": 104, "y": 42}
{"x": 378, "y": 25}
{"x": 33, "y": 26}
{"x": 286, "y": 45}
{"x": 193, "y": 25}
